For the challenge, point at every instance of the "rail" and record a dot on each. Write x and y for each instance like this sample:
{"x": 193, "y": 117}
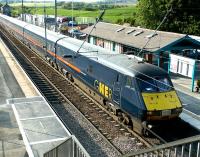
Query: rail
{"x": 69, "y": 148}
{"x": 188, "y": 147}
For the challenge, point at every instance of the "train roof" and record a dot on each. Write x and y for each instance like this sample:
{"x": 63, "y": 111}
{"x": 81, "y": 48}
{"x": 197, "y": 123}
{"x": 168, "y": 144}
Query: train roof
{"x": 125, "y": 64}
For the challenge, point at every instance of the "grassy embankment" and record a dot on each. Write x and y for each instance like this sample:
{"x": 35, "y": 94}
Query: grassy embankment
{"x": 111, "y": 15}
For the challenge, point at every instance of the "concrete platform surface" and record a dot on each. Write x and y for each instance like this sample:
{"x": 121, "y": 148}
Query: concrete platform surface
{"x": 11, "y": 143}
{"x": 28, "y": 126}
{"x": 12, "y": 75}
{"x": 9, "y": 87}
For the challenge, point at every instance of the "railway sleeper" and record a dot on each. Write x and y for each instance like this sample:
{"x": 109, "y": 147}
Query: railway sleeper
{"x": 60, "y": 69}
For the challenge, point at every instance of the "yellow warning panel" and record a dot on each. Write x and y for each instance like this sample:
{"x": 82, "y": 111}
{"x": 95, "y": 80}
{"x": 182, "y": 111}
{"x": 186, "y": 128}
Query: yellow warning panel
{"x": 161, "y": 101}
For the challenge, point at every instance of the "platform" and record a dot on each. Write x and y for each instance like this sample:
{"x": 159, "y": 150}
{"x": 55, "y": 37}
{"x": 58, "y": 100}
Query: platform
{"x": 14, "y": 80}
{"x": 11, "y": 143}
{"x": 28, "y": 126}
{"x": 190, "y": 100}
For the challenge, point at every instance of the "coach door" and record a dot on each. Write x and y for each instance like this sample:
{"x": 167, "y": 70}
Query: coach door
{"x": 117, "y": 90}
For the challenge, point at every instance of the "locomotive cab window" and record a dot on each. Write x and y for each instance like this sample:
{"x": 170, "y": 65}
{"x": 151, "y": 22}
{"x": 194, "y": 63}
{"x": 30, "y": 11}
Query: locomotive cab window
{"x": 157, "y": 84}
{"x": 128, "y": 81}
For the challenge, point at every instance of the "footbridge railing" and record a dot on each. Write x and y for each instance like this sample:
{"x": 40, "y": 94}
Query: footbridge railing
{"x": 188, "y": 147}
{"x": 69, "y": 148}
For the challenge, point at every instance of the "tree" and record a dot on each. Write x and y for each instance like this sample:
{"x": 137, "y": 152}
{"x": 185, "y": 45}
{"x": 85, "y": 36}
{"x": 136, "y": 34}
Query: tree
{"x": 184, "y": 17}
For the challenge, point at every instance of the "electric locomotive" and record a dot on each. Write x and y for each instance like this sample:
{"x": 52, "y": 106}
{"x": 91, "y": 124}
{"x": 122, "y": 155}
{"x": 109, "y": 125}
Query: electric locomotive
{"x": 139, "y": 93}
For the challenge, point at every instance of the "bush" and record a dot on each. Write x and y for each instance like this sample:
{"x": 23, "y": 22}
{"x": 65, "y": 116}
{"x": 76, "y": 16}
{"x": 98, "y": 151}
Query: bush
{"x": 120, "y": 21}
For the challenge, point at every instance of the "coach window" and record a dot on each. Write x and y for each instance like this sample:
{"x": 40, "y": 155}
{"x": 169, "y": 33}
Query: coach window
{"x": 90, "y": 69}
{"x": 128, "y": 81}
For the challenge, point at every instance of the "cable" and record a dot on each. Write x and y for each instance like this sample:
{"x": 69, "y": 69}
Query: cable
{"x": 3, "y": 140}
{"x": 111, "y": 55}
{"x": 164, "y": 90}
{"x": 34, "y": 132}
{"x": 98, "y": 19}
{"x": 44, "y": 133}
{"x": 165, "y": 17}
{"x": 157, "y": 87}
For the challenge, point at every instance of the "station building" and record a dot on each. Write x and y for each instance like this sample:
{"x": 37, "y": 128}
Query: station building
{"x": 158, "y": 48}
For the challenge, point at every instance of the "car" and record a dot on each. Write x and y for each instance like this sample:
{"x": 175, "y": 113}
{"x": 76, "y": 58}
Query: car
{"x": 72, "y": 23}
{"x": 75, "y": 33}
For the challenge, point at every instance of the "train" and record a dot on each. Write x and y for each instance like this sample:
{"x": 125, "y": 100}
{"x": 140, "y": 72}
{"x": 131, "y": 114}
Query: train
{"x": 140, "y": 94}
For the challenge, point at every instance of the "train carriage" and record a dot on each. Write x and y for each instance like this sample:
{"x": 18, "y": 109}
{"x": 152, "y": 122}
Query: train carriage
{"x": 139, "y": 93}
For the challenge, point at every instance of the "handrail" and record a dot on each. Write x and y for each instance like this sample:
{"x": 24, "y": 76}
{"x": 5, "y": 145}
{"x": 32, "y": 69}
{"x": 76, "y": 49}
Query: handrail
{"x": 165, "y": 146}
{"x": 75, "y": 147}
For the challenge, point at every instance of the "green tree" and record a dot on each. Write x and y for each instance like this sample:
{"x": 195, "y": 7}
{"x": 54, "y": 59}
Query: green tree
{"x": 184, "y": 17}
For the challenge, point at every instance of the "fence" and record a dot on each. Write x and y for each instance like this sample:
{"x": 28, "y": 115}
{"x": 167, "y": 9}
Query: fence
{"x": 69, "y": 148}
{"x": 188, "y": 147}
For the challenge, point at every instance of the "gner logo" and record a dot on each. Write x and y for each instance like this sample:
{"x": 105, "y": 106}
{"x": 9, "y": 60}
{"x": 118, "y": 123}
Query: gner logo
{"x": 103, "y": 89}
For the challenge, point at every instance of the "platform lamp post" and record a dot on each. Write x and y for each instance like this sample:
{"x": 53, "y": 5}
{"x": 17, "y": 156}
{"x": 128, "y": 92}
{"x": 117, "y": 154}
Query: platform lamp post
{"x": 72, "y": 15}
{"x": 56, "y": 27}
{"x": 45, "y": 28}
{"x": 22, "y": 10}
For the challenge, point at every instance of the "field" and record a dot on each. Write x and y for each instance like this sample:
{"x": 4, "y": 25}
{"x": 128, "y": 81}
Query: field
{"x": 111, "y": 15}
{"x": 38, "y": 4}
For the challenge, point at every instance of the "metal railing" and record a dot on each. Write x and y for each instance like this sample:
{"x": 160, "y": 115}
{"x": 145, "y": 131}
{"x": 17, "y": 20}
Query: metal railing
{"x": 188, "y": 147}
{"x": 69, "y": 148}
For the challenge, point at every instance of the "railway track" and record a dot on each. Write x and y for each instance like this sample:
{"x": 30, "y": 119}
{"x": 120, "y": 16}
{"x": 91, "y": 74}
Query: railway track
{"x": 65, "y": 97}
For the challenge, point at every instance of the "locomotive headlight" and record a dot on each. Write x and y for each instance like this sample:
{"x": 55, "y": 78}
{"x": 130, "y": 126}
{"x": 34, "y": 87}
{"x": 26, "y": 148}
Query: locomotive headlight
{"x": 149, "y": 113}
{"x": 153, "y": 113}
{"x": 149, "y": 126}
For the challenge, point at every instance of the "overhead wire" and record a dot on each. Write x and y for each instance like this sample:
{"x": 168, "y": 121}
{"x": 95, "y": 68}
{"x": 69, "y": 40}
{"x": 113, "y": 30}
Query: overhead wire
{"x": 163, "y": 20}
{"x": 94, "y": 26}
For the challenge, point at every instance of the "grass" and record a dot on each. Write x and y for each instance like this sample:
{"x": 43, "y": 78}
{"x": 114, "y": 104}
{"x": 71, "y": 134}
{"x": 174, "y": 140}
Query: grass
{"x": 38, "y": 4}
{"x": 111, "y": 15}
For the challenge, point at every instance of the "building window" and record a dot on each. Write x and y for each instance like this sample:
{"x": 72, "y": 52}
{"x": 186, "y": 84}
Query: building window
{"x": 94, "y": 40}
{"x": 181, "y": 71}
{"x": 114, "y": 46}
{"x": 177, "y": 66}
{"x": 187, "y": 70}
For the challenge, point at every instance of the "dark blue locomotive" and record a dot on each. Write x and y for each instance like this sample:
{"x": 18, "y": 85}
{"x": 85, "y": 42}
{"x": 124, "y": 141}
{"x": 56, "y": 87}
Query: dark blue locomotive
{"x": 140, "y": 93}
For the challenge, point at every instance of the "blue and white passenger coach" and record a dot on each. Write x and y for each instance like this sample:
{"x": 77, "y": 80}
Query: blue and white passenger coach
{"x": 140, "y": 93}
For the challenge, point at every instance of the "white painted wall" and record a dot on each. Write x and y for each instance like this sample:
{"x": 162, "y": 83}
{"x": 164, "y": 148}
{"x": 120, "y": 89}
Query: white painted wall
{"x": 181, "y": 65}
